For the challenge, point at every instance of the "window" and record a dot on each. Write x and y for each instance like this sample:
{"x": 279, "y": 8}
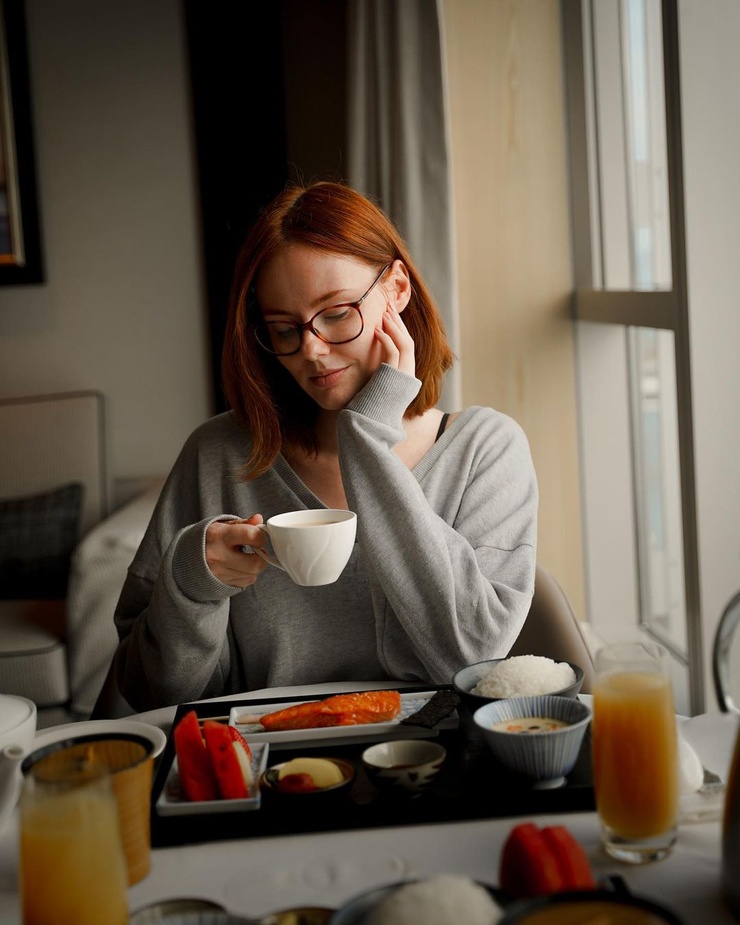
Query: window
{"x": 639, "y": 520}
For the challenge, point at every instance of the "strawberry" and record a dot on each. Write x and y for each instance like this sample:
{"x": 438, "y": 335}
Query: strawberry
{"x": 197, "y": 779}
{"x": 536, "y": 861}
{"x": 230, "y": 759}
{"x": 296, "y": 783}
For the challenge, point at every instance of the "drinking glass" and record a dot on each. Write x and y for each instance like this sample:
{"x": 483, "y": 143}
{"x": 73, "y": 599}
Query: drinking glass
{"x": 635, "y": 751}
{"x": 72, "y": 863}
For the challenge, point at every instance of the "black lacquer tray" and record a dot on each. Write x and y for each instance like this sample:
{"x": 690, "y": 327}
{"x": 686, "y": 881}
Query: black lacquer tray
{"x": 471, "y": 785}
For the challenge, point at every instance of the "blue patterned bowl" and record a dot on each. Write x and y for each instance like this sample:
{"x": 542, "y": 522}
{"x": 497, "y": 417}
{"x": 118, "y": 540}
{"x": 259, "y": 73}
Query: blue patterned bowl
{"x": 545, "y": 758}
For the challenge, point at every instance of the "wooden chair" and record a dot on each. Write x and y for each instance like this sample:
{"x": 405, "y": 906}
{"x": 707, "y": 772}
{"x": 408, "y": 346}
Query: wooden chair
{"x": 553, "y": 630}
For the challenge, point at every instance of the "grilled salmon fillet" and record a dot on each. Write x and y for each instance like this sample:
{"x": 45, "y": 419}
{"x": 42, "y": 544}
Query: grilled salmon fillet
{"x": 341, "y": 710}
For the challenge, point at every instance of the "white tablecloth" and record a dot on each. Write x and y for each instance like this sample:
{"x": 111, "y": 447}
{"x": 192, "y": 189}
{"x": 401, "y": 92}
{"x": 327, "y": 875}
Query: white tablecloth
{"x": 256, "y": 876}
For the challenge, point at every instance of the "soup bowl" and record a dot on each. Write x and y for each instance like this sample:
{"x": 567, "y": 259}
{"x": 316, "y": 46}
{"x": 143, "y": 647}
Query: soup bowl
{"x": 520, "y": 734}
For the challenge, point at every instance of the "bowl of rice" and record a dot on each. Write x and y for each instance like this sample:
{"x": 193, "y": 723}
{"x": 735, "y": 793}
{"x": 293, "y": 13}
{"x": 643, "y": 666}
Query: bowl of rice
{"x": 516, "y": 676}
{"x": 441, "y": 899}
{"x": 536, "y": 737}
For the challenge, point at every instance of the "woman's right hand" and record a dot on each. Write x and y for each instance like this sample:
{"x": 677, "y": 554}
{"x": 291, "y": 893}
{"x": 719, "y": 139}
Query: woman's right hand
{"x": 224, "y": 541}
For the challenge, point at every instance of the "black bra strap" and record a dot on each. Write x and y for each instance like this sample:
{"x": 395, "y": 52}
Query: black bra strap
{"x": 442, "y": 425}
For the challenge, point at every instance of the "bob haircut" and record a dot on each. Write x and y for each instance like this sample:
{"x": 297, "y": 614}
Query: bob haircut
{"x": 332, "y": 218}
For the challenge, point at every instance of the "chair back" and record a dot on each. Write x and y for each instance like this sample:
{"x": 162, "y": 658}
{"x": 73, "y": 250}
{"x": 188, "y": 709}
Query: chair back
{"x": 553, "y": 630}
{"x": 726, "y": 657}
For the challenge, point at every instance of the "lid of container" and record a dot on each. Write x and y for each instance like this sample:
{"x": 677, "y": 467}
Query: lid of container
{"x": 14, "y": 711}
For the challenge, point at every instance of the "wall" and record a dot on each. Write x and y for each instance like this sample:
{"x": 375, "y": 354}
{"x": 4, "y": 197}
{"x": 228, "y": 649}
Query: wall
{"x": 509, "y": 174}
{"x": 710, "y": 71}
{"x": 122, "y": 306}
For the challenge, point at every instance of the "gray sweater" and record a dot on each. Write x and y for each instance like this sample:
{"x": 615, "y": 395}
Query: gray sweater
{"x": 442, "y": 572}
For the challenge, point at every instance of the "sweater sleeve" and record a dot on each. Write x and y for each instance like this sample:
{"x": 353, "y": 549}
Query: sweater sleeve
{"x": 173, "y": 630}
{"x": 172, "y": 618}
{"x": 452, "y": 570}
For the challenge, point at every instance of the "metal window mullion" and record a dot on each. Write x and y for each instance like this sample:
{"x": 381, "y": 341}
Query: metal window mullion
{"x": 634, "y": 308}
{"x": 672, "y": 83}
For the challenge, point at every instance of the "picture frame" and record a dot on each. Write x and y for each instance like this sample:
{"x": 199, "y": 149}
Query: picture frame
{"x": 20, "y": 233}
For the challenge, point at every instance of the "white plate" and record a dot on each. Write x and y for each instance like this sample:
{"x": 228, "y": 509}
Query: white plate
{"x": 365, "y": 732}
{"x": 96, "y": 726}
{"x": 169, "y": 804}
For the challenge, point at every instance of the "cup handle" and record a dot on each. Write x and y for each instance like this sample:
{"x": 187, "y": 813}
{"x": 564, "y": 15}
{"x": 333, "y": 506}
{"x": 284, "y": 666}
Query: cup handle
{"x": 269, "y": 557}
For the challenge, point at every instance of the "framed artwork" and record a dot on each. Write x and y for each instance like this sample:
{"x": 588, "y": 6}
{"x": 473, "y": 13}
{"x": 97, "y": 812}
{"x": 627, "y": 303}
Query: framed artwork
{"x": 20, "y": 237}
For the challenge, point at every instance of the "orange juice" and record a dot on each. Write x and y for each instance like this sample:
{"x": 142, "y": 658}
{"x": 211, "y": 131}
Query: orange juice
{"x": 72, "y": 867}
{"x": 635, "y": 753}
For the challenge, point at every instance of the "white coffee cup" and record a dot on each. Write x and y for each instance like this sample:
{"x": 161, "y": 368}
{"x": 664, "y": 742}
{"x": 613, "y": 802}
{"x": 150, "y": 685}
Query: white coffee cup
{"x": 312, "y": 546}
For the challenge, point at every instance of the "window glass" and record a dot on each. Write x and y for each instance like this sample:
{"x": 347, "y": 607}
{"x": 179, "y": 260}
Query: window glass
{"x": 657, "y": 486}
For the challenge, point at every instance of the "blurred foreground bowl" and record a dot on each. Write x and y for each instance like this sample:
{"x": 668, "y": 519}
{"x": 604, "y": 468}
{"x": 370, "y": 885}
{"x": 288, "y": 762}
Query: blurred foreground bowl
{"x": 588, "y": 905}
{"x": 167, "y": 909}
{"x": 466, "y": 679}
{"x": 355, "y": 911}
{"x": 544, "y": 758}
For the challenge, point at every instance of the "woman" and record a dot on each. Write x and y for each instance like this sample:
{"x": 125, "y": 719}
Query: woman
{"x": 333, "y": 360}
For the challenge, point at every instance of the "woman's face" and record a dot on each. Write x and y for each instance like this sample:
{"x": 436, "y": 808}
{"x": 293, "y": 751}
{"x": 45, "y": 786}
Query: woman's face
{"x": 300, "y": 281}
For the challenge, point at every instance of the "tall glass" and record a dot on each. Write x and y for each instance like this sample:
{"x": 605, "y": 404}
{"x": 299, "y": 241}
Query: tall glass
{"x": 635, "y": 751}
{"x": 72, "y": 864}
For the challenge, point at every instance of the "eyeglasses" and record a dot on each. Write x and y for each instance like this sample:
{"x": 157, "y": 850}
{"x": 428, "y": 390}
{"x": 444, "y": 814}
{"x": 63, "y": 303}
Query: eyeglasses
{"x": 337, "y": 324}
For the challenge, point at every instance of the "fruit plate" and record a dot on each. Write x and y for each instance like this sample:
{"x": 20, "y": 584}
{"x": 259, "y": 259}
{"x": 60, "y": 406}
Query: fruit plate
{"x": 329, "y": 735}
{"x": 170, "y": 803}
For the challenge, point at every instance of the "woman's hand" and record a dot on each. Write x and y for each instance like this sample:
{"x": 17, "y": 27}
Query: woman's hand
{"x": 224, "y": 541}
{"x": 396, "y": 344}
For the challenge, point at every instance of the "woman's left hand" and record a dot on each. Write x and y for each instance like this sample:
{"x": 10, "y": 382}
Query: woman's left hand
{"x": 396, "y": 344}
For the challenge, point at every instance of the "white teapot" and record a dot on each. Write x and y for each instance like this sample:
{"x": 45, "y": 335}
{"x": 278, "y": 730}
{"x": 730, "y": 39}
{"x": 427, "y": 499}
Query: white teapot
{"x": 17, "y": 730}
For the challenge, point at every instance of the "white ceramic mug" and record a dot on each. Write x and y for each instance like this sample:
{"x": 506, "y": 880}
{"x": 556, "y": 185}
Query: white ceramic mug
{"x": 312, "y": 546}
{"x": 17, "y": 728}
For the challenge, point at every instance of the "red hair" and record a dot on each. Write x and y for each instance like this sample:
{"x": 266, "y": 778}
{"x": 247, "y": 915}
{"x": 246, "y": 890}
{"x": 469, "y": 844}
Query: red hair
{"x": 335, "y": 219}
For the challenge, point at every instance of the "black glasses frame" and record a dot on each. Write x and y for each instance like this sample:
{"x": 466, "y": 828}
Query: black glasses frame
{"x": 309, "y": 325}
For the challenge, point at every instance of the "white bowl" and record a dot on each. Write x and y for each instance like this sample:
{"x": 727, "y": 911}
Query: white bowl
{"x": 466, "y": 679}
{"x": 17, "y": 721}
{"x": 404, "y": 765}
{"x": 96, "y": 726}
{"x": 545, "y": 758}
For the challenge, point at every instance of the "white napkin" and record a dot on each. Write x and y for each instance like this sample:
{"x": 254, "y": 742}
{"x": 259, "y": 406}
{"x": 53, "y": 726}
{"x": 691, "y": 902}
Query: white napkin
{"x": 698, "y": 803}
{"x": 691, "y": 770}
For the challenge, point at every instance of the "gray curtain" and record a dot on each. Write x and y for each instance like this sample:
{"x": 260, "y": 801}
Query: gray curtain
{"x": 398, "y": 144}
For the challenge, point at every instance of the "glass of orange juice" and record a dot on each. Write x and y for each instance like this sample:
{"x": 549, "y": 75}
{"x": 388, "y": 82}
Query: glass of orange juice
{"x": 72, "y": 863}
{"x": 635, "y": 751}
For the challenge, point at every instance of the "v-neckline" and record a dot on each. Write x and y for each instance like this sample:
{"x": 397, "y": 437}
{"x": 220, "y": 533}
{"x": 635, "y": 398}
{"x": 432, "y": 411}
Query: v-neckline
{"x": 304, "y": 493}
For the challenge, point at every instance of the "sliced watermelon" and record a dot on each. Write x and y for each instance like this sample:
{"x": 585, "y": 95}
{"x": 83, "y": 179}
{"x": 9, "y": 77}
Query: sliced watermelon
{"x": 230, "y": 759}
{"x": 197, "y": 779}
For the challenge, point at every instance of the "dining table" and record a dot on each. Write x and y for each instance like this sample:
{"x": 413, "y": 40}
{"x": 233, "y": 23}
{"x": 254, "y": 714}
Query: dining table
{"x": 252, "y": 875}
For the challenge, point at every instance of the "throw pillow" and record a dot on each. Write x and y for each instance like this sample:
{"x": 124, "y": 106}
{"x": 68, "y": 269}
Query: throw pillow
{"x": 37, "y": 537}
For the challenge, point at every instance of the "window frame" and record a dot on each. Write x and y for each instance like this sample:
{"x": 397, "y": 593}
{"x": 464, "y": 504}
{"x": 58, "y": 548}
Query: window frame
{"x": 660, "y": 309}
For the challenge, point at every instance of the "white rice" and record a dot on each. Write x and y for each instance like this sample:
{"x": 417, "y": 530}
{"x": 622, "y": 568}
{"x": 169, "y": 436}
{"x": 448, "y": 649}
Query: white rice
{"x": 445, "y": 899}
{"x": 525, "y": 676}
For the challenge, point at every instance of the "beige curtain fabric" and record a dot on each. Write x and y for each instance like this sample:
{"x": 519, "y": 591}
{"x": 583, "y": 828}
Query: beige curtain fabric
{"x": 398, "y": 144}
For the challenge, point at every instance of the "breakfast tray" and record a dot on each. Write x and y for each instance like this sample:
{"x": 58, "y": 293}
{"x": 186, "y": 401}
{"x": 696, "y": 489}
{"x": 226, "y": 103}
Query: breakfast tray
{"x": 471, "y": 785}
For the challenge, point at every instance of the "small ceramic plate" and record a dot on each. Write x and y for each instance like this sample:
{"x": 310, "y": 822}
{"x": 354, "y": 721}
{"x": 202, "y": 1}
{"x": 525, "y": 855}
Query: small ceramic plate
{"x": 268, "y": 783}
{"x": 96, "y": 726}
{"x": 171, "y": 804}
